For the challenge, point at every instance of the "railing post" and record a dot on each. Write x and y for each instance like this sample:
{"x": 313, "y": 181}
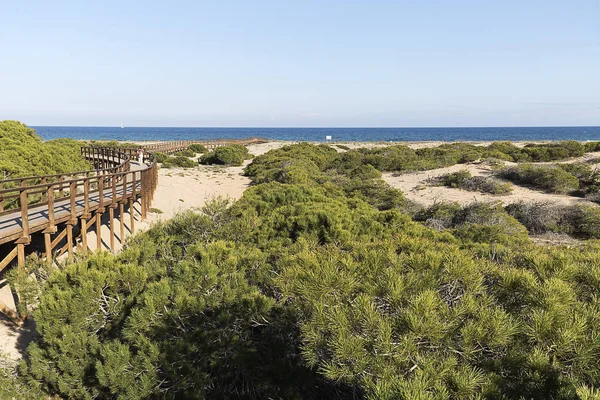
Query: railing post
{"x": 24, "y": 214}
{"x": 50, "y": 195}
{"x": 61, "y": 192}
{"x": 143, "y": 192}
{"x": 44, "y": 195}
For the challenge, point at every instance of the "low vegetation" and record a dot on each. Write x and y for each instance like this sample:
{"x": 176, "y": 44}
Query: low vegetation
{"x": 186, "y": 153}
{"x": 233, "y": 155}
{"x": 550, "y": 178}
{"x": 197, "y": 148}
{"x": 574, "y": 178}
{"x": 178, "y": 161}
{"x": 477, "y": 222}
{"x": 581, "y": 221}
{"x": 317, "y": 284}
{"x": 23, "y": 153}
{"x": 398, "y": 158}
{"x": 464, "y": 180}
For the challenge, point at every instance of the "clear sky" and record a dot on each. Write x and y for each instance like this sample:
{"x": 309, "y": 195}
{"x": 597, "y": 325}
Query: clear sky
{"x": 301, "y": 63}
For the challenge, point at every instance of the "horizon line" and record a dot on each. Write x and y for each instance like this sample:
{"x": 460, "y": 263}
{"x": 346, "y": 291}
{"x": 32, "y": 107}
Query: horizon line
{"x": 317, "y": 127}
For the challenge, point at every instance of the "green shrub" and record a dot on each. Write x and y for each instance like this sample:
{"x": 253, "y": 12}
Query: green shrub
{"x": 440, "y": 215}
{"x": 234, "y": 154}
{"x": 550, "y": 178}
{"x": 264, "y": 167}
{"x": 488, "y": 223}
{"x": 178, "y": 162}
{"x": 583, "y": 221}
{"x": 161, "y": 157}
{"x": 507, "y": 151}
{"x": 554, "y": 151}
{"x": 485, "y": 222}
{"x": 197, "y": 148}
{"x": 539, "y": 217}
{"x": 23, "y": 153}
{"x": 186, "y": 153}
{"x": 592, "y": 147}
{"x": 464, "y": 180}
{"x": 14, "y": 387}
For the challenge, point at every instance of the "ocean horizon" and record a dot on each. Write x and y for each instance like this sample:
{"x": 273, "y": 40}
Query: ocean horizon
{"x": 480, "y": 134}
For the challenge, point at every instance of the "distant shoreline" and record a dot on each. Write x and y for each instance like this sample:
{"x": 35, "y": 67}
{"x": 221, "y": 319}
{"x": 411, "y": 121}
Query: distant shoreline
{"x": 345, "y": 135}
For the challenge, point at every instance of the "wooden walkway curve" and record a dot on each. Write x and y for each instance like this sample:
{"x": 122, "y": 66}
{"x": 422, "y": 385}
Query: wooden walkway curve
{"x": 53, "y": 205}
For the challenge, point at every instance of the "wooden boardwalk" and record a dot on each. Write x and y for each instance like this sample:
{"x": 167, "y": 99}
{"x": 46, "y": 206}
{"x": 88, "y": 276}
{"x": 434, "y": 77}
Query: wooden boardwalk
{"x": 53, "y": 205}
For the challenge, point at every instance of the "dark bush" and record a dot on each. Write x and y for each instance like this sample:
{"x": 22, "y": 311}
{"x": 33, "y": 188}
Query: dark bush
{"x": 508, "y": 152}
{"x": 197, "y": 148}
{"x": 440, "y": 215}
{"x": 186, "y": 153}
{"x": 23, "y": 153}
{"x": 592, "y": 147}
{"x": 550, "y": 178}
{"x": 539, "y": 217}
{"x": 178, "y": 162}
{"x": 464, "y": 180}
{"x": 488, "y": 223}
{"x": 234, "y": 155}
{"x": 161, "y": 157}
{"x": 583, "y": 220}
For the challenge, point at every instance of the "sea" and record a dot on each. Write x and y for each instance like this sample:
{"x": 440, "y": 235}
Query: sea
{"x": 581, "y": 133}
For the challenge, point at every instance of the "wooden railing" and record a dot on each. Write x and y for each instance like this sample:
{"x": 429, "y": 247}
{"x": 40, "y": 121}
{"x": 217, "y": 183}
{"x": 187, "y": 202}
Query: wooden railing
{"x": 180, "y": 145}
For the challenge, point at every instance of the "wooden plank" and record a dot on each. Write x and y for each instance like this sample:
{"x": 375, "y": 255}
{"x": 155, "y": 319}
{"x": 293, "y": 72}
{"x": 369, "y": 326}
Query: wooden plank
{"x": 84, "y": 235}
{"x": 122, "y": 222}
{"x": 21, "y": 256}
{"x": 98, "y": 231}
{"x": 58, "y": 238}
{"x": 24, "y": 213}
{"x": 111, "y": 217}
{"x": 48, "y": 247}
{"x": 11, "y": 314}
{"x": 70, "y": 241}
{"x": 9, "y": 257}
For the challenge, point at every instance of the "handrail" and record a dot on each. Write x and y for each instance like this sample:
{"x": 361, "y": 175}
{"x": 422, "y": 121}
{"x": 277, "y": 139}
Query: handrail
{"x": 24, "y": 178}
{"x": 178, "y": 145}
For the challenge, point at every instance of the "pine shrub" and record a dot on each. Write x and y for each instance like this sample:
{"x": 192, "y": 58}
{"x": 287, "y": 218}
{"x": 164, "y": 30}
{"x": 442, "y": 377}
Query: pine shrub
{"x": 464, "y": 180}
{"x": 186, "y": 153}
{"x": 23, "y": 153}
{"x": 178, "y": 162}
{"x": 197, "y": 148}
{"x": 550, "y": 178}
{"x": 234, "y": 155}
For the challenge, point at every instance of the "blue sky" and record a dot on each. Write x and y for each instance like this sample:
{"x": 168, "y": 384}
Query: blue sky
{"x": 301, "y": 63}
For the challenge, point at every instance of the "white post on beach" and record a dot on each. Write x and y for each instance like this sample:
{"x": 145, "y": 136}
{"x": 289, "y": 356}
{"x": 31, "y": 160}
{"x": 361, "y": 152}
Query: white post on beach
{"x": 328, "y": 138}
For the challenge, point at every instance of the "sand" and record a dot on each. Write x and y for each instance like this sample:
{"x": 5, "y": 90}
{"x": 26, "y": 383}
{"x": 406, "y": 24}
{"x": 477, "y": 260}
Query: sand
{"x": 416, "y": 187}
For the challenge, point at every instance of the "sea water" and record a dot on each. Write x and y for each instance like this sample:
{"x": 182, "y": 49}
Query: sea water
{"x": 320, "y": 134}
